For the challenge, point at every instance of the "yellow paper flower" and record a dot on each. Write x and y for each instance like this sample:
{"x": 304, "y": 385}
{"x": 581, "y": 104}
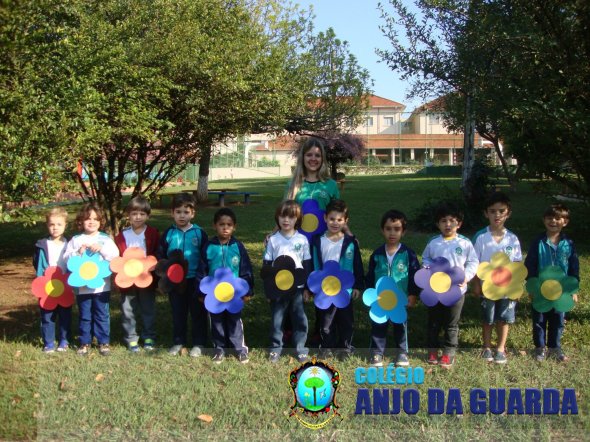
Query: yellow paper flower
{"x": 502, "y": 278}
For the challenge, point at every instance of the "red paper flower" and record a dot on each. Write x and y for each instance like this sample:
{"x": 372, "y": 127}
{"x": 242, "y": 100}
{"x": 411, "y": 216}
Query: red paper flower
{"x": 52, "y": 289}
{"x": 133, "y": 268}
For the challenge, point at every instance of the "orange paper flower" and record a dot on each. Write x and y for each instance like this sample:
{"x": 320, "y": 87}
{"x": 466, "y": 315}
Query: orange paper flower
{"x": 52, "y": 289}
{"x": 133, "y": 268}
{"x": 502, "y": 278}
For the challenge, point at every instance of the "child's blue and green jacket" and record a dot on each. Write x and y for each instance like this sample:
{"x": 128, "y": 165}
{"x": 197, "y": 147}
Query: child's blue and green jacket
{"x": 404, "y": 266}
{"x": 350, "y": 258}
{"x": 232, "y": 255}
{"x": 543, "y": 253}
{"x": 191, "y": 242}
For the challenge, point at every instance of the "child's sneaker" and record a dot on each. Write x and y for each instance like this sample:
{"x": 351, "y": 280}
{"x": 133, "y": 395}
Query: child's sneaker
{"x": 447, "y": 361}
{"x": 326, "y": 354}
{"x": 195, "y": 352}
{"x": 83, "y": 350}
{"x": 302, "y": 358}
{"x": 274, "y": 357}
{"x": 402, "y": 360}
{"x": 133, "y": 347}
{"x": 104, "y": 349}
{"x": 558, "y": 355}
{"x": 149, "y": 344}
{"x": 48, "y": 350}
{"x": 487, "y": 355}
{"x": 175, "y": 349}
{"x": 63, "y": 347}
{"x": 243, "y": 358}
{"x": 218, "y": 357}
{"x": 500, "y": 358}
{"x": 540, "y": 354}
{"x": 433, "y": 358}
{"x": 377, "y": 360}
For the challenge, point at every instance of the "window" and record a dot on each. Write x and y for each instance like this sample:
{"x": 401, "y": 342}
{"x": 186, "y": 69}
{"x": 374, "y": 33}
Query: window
{"x": 369, "y": 121}
{"x": 388, "y": 121}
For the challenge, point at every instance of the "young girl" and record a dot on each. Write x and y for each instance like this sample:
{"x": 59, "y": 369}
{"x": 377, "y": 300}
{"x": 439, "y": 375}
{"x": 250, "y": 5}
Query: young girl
{"x": 93, "y": 304}
{"x": 287, "y": 241}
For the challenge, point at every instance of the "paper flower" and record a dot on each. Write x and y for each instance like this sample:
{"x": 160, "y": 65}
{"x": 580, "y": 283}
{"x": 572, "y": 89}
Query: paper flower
{"x": 330, "y": 286}
{"x": 440, "y": 283}
{"x": 502, "y": 278}
{"x": 553, "y": 289}
{"x": 133, "y": 268}
{"x": 282, "y": 278}
{"x": 88, "y": 270}
{"x": 52, "y": 289}
{"x": 172, "y": 272}
{"x": 386, "y": 301}
{"x": 224, "y": 291}
{"x": 313, "y": 222}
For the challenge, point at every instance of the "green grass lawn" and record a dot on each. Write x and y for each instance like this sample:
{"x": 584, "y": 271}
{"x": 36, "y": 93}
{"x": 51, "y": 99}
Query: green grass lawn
{"x": 155, "y": 396}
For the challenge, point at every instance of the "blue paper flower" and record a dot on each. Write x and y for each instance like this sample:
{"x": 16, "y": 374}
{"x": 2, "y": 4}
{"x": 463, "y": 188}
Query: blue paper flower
{"x": 386, "y": 301}
{"x": 440, "y": 283}
{"x": 331, "y": 286}
{"x": 313, "y": 222}
{"x": 88, "y": 270}
{"x": 224, "y": 291}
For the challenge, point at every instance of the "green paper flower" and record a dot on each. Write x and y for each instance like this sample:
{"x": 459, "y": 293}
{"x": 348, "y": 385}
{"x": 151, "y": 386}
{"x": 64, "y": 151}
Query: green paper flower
{"x": 553, "y": 289}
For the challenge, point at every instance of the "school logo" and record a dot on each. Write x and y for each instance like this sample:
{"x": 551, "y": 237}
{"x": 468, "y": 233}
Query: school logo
{"x": 235, "y": 261}
{"x": 195, "y": 241}
{"x": 314, "y": 386}
{"x": 297, "y": 247}
{"x": 401, "y": 267}
{"x": 508, "y": 250}
{"x": 349, "y": 254}
{"x": 459, "y": 251}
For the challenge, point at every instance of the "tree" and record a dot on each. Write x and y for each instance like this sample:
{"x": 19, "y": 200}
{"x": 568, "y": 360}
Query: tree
{"x": 314, "y": 383}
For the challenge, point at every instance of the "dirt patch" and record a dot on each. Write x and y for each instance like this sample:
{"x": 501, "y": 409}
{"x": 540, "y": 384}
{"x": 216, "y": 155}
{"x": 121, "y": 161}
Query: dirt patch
{"x": 18, "y": 306}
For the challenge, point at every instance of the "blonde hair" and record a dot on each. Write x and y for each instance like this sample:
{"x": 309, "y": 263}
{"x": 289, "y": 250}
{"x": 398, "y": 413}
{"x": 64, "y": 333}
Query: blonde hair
{"x": 57, "y": 211}
{"x": 300, "y": 173}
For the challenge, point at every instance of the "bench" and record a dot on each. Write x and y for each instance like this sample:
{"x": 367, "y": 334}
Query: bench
{"x": 221, "y": 194}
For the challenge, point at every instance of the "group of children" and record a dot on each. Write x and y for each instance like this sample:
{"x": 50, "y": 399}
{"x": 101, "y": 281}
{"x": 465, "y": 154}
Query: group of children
{"x": 394, "y": 259}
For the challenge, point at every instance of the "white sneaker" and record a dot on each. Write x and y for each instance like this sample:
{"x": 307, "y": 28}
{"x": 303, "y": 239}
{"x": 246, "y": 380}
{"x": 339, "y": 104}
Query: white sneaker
{"x": 175, "y": 350}
{"x": 195, "y": 352}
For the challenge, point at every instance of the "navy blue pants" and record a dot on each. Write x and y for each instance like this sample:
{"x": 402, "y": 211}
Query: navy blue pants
{"x": 62, "y": 315}
{"x": 336, "y": 327}
{"x": 227, "y": 331}
{"x": 379, "y": 337}
{"x": 548, "y": 328}
{"x": 185, "y": 303}
{"x": 95, "y": 318}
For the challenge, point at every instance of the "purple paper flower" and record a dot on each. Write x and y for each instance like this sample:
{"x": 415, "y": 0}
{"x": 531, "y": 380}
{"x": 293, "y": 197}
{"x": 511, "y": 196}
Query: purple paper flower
{"x": 224, "y": 291}
{"x": 331, "y": 286}
{"x": 440, "y": 283}
{"x": 313, "y": 222}
{"x": 386, "y": 301}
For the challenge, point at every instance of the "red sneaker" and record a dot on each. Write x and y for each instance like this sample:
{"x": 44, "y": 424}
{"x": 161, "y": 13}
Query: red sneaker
{"x": 433, "y": 358}
{"x": 446, "y": 361}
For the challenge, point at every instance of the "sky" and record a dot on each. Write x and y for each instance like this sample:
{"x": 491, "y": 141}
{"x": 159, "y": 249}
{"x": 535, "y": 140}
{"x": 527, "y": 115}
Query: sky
{"x": 357, "y": 22}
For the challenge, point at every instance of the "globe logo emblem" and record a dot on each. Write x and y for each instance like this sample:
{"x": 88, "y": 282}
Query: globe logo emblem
{"x": 314, "y": 386}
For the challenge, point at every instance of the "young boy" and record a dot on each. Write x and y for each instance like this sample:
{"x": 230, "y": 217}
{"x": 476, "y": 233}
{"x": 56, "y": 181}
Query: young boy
{"x": 488, "y": 241}
{"x": 287, "y": 241}
{"x": 191, "y": 240}
{"x": 224, "y": 250}
{"x": 459, "y": 251}
{"x": 134, "y": 299}
{"x": 552, "y": 248}
{"x": 399, "y": 262}
{"x": 50, "y": 252}
{"x": 337, "y": 324}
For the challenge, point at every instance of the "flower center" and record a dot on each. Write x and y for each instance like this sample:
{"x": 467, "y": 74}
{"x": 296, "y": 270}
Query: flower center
{"x": 133, "y": 267}
{"x": 331, "y": 285}
{"x": 440, "y": 282}
{"x": 551, "y": 289}
{"x": 501, "y": 276}
{"x": 310, "y": 222}
{"x": 224, "y": 292}
{"x": 175, "y": 273}
{"x": 88, "y": 271}
{"x": 387, "y": 300}
{"x": 284, "y": 280}
{"x": 54, "y": 288}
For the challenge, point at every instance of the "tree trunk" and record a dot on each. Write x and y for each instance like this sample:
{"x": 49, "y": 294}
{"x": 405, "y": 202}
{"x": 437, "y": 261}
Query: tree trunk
{"x": 203, "y": 183}
{"x": 468, "y": 147}
{"x": 511, "y": 178}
